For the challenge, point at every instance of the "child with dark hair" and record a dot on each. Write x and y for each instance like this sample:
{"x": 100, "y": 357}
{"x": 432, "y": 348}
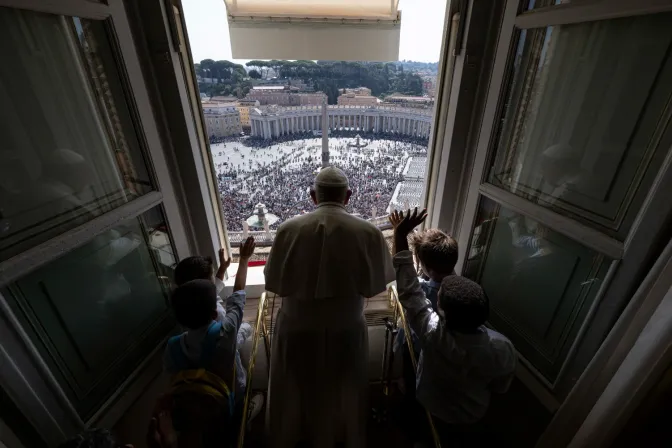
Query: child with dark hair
{"x": 195, "y": 304}
{"x": 462, "y": 361}
{"x": 198, "y": 267}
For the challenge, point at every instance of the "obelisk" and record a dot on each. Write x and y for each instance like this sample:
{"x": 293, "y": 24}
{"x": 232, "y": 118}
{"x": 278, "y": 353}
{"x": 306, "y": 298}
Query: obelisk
{"x": 325, "y": 135}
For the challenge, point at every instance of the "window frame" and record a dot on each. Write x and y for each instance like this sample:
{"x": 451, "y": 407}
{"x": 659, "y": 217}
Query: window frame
{"x": 28, "y": 379}
{"x": 616, "y": 308}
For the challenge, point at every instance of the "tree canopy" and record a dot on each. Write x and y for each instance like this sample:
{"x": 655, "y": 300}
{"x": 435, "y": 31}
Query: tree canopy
{"x": 383, "y": 78}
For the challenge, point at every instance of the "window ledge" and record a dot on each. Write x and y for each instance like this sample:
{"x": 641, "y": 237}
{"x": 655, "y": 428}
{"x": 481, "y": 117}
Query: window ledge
{"x": 255, "y": 284}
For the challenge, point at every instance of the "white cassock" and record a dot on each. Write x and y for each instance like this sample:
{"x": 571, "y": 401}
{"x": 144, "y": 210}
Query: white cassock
{"x": 323, "y": 264}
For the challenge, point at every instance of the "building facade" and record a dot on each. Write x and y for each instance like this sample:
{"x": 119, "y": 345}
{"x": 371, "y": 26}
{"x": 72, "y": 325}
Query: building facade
{"x": 351, "y": 99}
{"x": 362, "y": 91}
{"x": 359, "y": 96}
{"x": 284, "y": 96}
{"x": 243, "y": 106}
{"x": 222, "y": 120}
{"x": 272, "y": 122}
{"x": 410, "y": 101}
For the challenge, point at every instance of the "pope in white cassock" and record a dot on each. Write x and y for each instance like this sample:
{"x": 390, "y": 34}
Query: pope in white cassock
{"x": 323, "y": 265}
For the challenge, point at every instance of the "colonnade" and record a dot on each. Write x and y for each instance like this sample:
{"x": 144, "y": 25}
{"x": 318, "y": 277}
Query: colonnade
{"x": 289, "y": 121}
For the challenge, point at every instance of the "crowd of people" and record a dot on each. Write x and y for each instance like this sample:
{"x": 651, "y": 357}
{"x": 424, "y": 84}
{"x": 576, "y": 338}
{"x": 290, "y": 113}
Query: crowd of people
{"x": 282, "y": 179}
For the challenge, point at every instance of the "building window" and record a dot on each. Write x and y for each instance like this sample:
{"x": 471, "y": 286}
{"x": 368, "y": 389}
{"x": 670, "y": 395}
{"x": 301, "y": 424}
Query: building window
{"x": 570, "y": 155}
{"x": 95, "y": 312}
{"x": 391, "y": 139}
{"x": 70, "y": 150}
{"x": 586, "y": 106}
{"x": 540, "y": 283}
{"x": 86, "y": 211}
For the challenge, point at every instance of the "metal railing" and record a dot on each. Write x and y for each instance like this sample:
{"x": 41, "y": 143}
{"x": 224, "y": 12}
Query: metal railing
{"x": 263, "y": 238}
{"x": 399, "y": 311}
{"x": 259, "y": 330}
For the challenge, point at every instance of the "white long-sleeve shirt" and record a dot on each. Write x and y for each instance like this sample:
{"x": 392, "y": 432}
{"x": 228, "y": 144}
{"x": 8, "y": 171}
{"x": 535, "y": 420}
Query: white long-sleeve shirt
{"x": 456, "y": 371}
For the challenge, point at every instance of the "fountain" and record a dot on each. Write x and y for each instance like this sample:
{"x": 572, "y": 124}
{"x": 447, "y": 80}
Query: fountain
{"x": 262, "y": 219}
{"x": 357, "y": 143}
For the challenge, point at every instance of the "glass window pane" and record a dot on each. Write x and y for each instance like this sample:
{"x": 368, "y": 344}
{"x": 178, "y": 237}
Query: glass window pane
{"x": 539, "y": 282}
{"x": 69, "y": 151}
{"x": 536, "y": 4}
{"x": 97, "y": 311}
{"x": 584, "y": 127}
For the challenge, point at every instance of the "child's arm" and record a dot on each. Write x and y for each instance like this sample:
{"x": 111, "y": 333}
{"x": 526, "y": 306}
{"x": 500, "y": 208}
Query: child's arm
{"x": 223, "y": 265}
{"x": 421, "y": 317}
{"x": 246, "y": 251}
{"x": 236, "y": 301}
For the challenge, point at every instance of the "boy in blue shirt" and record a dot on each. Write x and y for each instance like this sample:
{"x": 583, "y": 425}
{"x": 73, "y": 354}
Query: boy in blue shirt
{"x": 195, "y": 303}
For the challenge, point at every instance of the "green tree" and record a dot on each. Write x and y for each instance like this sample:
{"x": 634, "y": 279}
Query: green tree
{"x": 254, "y": 74}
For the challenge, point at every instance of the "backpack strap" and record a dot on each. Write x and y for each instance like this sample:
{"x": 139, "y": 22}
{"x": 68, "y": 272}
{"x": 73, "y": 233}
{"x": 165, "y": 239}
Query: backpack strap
{"x": 180, "y": 360}
{"x": 210, "y": 344}
{"x": 208, "y": 353}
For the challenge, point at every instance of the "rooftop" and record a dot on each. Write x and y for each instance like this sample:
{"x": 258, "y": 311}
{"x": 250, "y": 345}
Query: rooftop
{"x": 268, "y": 88}
{"x": 408, "y": 98}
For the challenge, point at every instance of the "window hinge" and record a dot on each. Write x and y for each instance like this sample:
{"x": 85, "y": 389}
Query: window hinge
{"x": 461, "y": 26}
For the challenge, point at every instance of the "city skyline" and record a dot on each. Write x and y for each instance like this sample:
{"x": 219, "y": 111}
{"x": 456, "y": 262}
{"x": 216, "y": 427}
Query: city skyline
{"x": 421, "y": 30}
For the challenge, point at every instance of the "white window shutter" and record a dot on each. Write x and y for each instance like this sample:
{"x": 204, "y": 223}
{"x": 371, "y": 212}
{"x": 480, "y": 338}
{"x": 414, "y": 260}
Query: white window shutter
{"x": 360, "y": 30}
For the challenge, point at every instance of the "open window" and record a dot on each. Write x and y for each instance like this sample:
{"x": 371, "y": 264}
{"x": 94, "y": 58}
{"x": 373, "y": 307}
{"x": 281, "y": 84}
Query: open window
{"x": 565, "y": 158}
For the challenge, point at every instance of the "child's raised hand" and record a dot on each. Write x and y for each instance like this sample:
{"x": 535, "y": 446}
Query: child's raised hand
{"x": 247, "y": 248}
{"x": 223, "y": 261}
{"x": 404, "y": 224}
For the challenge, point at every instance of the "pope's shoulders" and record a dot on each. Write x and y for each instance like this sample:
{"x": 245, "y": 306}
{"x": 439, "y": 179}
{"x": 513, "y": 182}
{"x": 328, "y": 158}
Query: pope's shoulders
{"x": 301, "y": 221}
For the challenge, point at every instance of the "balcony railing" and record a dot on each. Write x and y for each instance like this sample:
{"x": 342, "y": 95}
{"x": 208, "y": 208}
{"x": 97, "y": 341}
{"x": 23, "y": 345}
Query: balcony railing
{"x": 263, "y": 238}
